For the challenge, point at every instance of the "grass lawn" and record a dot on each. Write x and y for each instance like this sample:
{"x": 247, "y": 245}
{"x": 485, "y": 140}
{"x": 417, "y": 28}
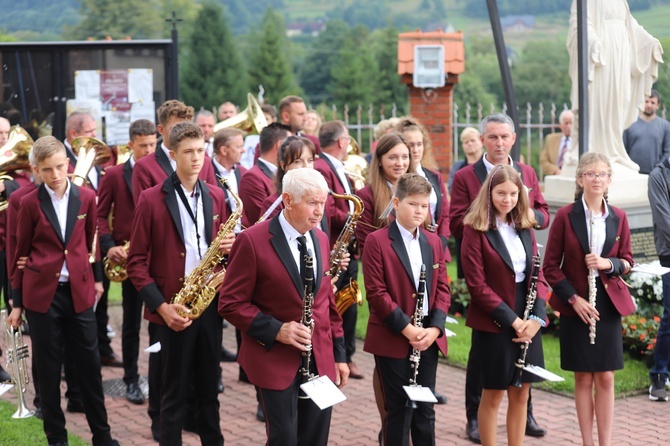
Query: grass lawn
{"x": 25, "y": 432}
{"x": 633, "y": 379}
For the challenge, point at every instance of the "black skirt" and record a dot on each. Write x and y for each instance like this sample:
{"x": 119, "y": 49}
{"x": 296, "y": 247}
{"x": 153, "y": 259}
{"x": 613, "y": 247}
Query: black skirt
{"x": 578, "y": 354}
{"x": 499, "y": 354}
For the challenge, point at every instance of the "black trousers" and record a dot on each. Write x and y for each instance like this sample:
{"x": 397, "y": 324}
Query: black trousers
{"x": 401, "y": 420}
{"x": 130, "y": 340}
{"x": 349, "y": 317}
{"x": 4, "y": 281}
{"x": 155, "y": 380}
{"x": 61, "y": 327}
{"x": 473, "y": 386}
{"x": 191, "y": 355}
{"x": 102, "y": 319}
{"x": 293, "y": 421}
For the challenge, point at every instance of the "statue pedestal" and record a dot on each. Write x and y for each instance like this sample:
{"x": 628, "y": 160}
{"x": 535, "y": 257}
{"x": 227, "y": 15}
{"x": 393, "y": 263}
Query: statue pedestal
{"x": 627, "y": 191}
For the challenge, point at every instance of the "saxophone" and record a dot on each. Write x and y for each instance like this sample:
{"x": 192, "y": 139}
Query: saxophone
{"x": 202, "y": 284}
{"x": 307, "y": 320}
{"x": 530, "y": 303}
{"x": 350, "y": 293}
{"x": 117, "y": 272}
{"x": 417, "y": 321}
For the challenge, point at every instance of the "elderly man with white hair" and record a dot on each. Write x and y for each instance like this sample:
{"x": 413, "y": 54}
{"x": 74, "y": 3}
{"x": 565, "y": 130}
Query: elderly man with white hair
{"x": 263, "y": 297}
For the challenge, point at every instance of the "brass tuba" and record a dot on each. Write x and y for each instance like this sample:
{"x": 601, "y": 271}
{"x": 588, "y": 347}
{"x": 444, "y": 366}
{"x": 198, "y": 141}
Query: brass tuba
{"x": 123, "y": 153}
{"x": 350, "y": 293}
{"x": 355, "y": 165}
{"x": 116, "y": 272}
{"x": 90, "y": 152}
{"x": 14, "y": 156}
{"x": 17, "y": 366}
{"x": 202, "y": 284}
{"x": 249, "y": 120}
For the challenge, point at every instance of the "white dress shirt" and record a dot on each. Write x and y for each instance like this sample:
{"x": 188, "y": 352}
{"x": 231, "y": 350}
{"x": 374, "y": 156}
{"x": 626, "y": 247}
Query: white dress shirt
{"x": 60, "y": 206}
{"x": 272, "y": 167}
{"x": 292, "y": 235}
{"x": 165, "y": 150}
{"x": 413, "y": 248}
{"x": 597, "y": 238}
{"x": 515, "y": 249}
{"x": 191, "y": 240}
{"x": 231, "y": 179}
{"x": 341, "y": 174}
{"x": 433, "y": 195}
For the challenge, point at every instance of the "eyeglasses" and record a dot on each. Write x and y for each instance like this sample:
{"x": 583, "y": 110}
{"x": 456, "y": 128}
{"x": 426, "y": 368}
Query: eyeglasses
{"x": 592, "y": 175}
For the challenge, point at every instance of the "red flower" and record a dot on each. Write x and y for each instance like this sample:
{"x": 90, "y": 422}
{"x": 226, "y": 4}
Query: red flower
{"x": 657, "y": 319}
{"x": 643, "y": 320}
{"x": 642, "y": 336}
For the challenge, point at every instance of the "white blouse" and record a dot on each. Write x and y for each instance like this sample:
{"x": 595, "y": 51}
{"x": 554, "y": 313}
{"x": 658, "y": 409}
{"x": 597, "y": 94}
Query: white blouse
{"x": 597, "y": 238}
{"x": 515, "y": 249}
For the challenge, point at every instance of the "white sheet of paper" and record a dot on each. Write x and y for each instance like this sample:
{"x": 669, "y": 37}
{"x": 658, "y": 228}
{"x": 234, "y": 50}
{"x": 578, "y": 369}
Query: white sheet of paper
{"x": 140, "y": 85}
{"x": 154, "y": 348}
{"x": 323, "y": 392}
{"x": 647, "y": 268}
{"x": 420, "y": 393}
{"x": 451, "y": 320}
{"x": 87, "y": 84}
{"x": 448, "y": 333}
{"x": 4, "y": 387}
{"x": 543, "y": 373}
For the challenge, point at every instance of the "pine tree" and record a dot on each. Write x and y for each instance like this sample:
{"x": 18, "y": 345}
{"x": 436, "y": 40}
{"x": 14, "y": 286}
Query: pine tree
{"x": 213, "y": 70}
{"x": 118, "y": 19}
{"x": 270, "y": 63}
{"x": 354, "y": 72}
{"x": 316, "y": 73}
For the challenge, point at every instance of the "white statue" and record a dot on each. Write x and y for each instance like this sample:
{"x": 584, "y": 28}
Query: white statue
{"x": 623, "y": 65}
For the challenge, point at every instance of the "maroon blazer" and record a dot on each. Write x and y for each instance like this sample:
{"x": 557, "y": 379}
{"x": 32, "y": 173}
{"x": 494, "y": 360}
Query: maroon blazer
{"x": 257, "y": 184}
{"x": 567, "y": 245}
{"x": 365, "y": 224}
{"x": 490, "y": 278}
{"x": 153, "y": 169}
{"x": 239, "y": 171}
{"x": 116, "y": 189}
{"x": 263, "y": 290}
{"x": 38, "y": 237}
{"x": 469, "y": 180}
{"x": 338, "y": 209}
{"x": 156, "y": 260}
{"x": 391, "y": 293}
{"x": 441, "y": 210}
{"x": 12, "y": 215}
{"x": 20, "y": 178}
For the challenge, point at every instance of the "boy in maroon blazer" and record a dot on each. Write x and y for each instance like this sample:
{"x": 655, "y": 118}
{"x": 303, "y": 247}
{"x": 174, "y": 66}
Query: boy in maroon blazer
{"x": 263, "y": 296}
{"x": 174, "y": 224}
{"x": 392, "y": 264}
{"x": 55, "y": 231}
{"x": 115, "y": 192}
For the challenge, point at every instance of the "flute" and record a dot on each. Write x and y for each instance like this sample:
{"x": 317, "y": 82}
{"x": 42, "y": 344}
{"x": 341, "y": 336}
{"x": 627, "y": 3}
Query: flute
{"x": 593, "y": 272}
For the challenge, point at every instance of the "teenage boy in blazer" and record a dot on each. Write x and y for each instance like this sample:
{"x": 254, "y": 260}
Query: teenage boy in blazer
{"x": 116, "y": 193}
{"x": 55, "y": 233}
{"x": 265, "y": 259}
{"x": 174, "y": 224}
{"x": 392, "y": 264}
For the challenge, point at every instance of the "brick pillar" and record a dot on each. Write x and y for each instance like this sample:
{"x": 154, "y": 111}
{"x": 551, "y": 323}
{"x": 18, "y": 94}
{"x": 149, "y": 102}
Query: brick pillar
{"x": 433, "y": 108}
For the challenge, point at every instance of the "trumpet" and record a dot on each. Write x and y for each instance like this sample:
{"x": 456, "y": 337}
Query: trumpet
{"x": 17, "y": 353}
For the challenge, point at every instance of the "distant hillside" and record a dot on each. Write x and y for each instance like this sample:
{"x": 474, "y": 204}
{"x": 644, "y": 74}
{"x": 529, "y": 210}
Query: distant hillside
{"x": 32, "y": 19}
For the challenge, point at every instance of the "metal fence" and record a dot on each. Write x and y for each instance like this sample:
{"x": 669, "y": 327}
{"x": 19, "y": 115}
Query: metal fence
{"x": 537, "y": 122}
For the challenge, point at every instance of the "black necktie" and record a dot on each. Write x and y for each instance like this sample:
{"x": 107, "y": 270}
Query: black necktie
{"x": 302, "y": 245}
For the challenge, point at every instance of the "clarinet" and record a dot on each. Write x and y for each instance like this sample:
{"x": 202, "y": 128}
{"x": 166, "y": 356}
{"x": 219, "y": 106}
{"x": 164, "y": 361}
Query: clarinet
{"x": 307, "y": 320}
{"x": 530, "y": 303}
{"x": 593, "y": 291}
{"x": 417, "y": 321}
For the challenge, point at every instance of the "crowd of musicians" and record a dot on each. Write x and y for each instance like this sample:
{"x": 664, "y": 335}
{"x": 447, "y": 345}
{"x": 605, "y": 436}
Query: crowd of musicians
{"x": 183, "y": 198}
